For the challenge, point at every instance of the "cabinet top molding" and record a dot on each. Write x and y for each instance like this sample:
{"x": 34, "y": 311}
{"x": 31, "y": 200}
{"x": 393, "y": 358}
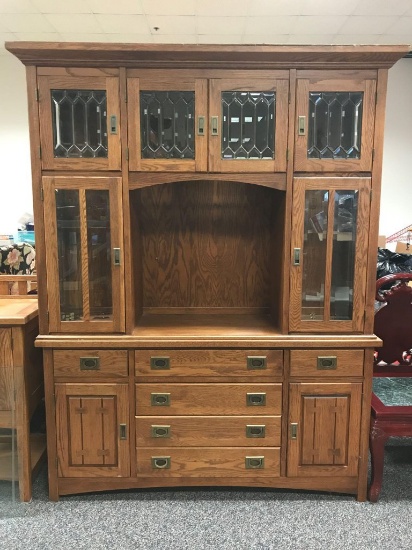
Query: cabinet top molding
{"x": 85, "y": 54}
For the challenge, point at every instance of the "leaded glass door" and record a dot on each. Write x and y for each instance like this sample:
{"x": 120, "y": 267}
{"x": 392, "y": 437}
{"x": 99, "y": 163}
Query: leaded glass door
{"x": 334, "y": 123}
{"x": 85, "y": 267}
{"x": 167, "y": 122}
{"x": 329, "y": 254}
{"x": 79, "y": 122}
{"x": 248, "y": 124}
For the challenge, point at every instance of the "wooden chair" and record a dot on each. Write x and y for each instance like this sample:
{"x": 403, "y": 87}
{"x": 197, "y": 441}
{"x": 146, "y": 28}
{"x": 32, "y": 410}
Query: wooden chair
{"x": 391, "y": 413}
{"x": 18, "y": 285}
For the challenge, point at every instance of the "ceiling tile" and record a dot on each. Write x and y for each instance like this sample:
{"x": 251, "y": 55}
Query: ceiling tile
{"x": 175, "y": 39}
{"x": 166, "y": 7}
{"x": 326, "y": 7}
{"x": 267, "y": 8}
{"x": 132, "y": 7}
{"x": 382, "y": 7}
{"x": 362, "y": 24}
{"x": 222, "y": 8}
{"x": 85, "y": 37}
{"x": 265, "y": 38}
{"x": 130, "y": 24}
{"x": 130, "y": 38}
{"x": 17, "y": 6}
{"x": 75, "y": 23}
{"x": 356, "y": 39}
{"x": 27, "y": 22}
{"x": 310, "y": 39}
{"x": 396, "y": 39}
{"x": 402, "y": 26}
{"x": 220, "y": 39}
{"x": 322, "y": 24}
{"x": 220, "y": 25}
{"x": 177, "y": 24}
{"x": 51, "y": 6}
{"x": 7, "y": 36}
{"x": 267, "y": 25}
{"x": 39, "y": 36}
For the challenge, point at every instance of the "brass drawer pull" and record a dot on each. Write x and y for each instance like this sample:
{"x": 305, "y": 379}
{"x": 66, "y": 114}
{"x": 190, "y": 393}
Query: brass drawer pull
{"x": 294, "y": 430}
{"x": 160, "y": 363}
{"x": 255, "y": 362}
{"x": 89, "y": 363}
{"x": 254, "y": 462}
{"x": 161, "y": 462}
{"x": 160, "y": 399}
{"x": 256, "y": 399}
{"x": 255, "y": 430}
{"x": 160, "y": 431}
{"x": 329, "y": 362}
{"x": 123, "y": 431}
{"x": 201, "y": 125}
{"x": 302, "y": 125}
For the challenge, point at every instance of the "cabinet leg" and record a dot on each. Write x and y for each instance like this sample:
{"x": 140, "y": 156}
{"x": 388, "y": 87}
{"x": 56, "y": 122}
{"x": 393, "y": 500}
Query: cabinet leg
{"x": 377, "y": 440}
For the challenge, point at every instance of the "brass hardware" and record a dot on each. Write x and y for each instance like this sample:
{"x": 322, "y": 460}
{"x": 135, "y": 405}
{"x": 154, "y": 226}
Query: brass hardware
{"x": 89, "y": 363}
{"x": 329, "y": 362}
{"x": 201, "y": 126}
{"x": 256, "y": 399}
{"x": 254, "y": 462}
{"x": 255, "y": 430}
{"x": 161, "y": 462}
{"x": 294, "y": 430}
{"x": 214, "y": 125}
{"x": 160, "y": 399}
{"x": 123, "y": 432}
{"x": 302, "y": 125}
{"x": 255, "y": 362}
{"x": 160, "y": 363}
{"x": 160, "y": 431}
{"x": 113, "y": 124}
{"x": 116, "y": 256}
{"x": 296, "y": 256}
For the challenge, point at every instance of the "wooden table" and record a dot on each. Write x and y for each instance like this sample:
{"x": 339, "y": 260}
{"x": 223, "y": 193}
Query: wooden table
{"x": 21, "y": 387}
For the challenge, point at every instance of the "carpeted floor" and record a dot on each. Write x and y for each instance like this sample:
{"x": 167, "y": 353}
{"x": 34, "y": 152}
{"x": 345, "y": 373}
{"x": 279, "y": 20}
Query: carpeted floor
{"x": 217, "y": 519}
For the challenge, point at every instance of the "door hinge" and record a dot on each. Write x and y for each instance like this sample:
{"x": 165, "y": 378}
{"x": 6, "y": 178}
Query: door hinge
{"x": 41, "y": 193}
{"x": 370, "y": 196}
{"x": 36, "y": 93}
{"x": 287, "y": 155}
{"x": 39, "y": 151}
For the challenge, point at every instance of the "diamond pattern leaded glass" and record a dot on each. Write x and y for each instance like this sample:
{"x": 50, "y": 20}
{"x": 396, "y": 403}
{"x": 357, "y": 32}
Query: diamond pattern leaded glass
{"x": 335, "y": 125}
{"x": 167, "y": 125}
{"x": 248, "y": 125}
{"x": 79, "y": 123}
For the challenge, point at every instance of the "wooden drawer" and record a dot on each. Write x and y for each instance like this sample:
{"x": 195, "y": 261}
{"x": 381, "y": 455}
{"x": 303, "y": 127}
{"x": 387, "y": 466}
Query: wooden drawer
{"x": 86, "y": 363}
{"x": 326, "y": 362}
{"x": 208, "y": 462}
{"x": 208, "y": 399}
{"x": 201, "y": 362}
{"x": 194, "y": 431}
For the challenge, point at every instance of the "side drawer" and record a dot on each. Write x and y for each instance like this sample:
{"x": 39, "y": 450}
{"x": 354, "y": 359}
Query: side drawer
{"x": 86, "y": 363}
{"x": 201, "y": 362}
{"x": 208, "y": 462}
{"x": 208, "y": 399}
{"x": 210, "y": 431}
{"x": 326, "y": 362}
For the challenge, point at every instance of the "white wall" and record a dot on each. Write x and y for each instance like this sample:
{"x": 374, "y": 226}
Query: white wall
{"x": 15, "y": 183}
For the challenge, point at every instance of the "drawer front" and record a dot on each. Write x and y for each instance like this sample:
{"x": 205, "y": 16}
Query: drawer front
{"x": 326, "y": 362}
{"x": 208, "y": 399}
{"x": 200, "y": 362}
{"x": 87, "y": 363}
{"x": 193, "y": 431}
{"x": 208, "y": 462}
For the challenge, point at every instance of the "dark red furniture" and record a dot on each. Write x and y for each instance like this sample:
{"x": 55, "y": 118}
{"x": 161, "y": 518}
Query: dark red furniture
{"x": 392, "y": 383}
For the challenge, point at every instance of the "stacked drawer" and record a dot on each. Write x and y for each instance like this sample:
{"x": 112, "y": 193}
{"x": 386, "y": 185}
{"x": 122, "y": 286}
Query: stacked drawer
{"x": 208, "y": 413}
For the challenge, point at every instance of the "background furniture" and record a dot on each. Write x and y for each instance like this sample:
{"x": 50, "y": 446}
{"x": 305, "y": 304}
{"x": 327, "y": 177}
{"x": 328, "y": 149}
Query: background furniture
{"x": 207, "y": 235}
{"x": 392, "y": 382}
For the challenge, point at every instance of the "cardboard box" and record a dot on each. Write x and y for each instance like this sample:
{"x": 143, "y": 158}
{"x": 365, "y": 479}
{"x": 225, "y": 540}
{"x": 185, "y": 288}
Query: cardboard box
{"x": 403, "y": 248}
{"x": 382, "y": 241}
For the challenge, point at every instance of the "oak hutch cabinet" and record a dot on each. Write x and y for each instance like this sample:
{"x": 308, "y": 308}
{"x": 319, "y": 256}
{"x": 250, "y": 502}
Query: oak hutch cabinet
{"x": 206, "y": 221}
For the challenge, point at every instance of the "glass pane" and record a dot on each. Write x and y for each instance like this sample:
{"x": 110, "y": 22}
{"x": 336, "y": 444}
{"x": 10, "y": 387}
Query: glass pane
{"x": 79, "y": 123}
{"x": 393, "y": 392}
{"x": 99, "y": 254}
{"x": 343, "y": 254}
{"x": 167, "y": 125}
{"x": 69, "y": 254}
{"x": 248, "y": 125}
{"x": 335, "y": 125}
{"x": 314, "y": 254}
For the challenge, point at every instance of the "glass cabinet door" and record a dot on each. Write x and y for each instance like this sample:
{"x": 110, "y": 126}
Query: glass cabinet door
{"x": 248, "y": 125}
{"x": 79, "y": 122}
{"x": 329, "y": 254}
{"x": 334, "y": 124}
{"x": 84, "y": 235}
{"x": 167, "y": 122}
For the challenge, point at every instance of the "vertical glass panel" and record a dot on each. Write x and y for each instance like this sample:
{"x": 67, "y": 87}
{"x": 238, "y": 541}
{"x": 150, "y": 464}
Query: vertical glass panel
{"x": 335, "y": 125}
{"x": 69, "y": 254}
{"x": 167, "y": 125}
{"x": 99, "y": 254}
{"x": 79, "y": 123}
{"x": 343, "y": 254}
{"x": 314, "y": 254}
{"x": 248, "y": 125}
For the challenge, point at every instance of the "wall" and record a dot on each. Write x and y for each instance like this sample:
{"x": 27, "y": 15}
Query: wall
{"x": 15, "y": 186}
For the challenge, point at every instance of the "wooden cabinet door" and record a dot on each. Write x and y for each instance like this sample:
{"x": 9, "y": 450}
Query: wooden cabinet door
{"x": 324, "y": 426}
{"x": 329, "y": 254}
{"x": 85, "y": 268}
{"x": 248, "y": 124}
{"x": 80, "y": 121}
{"x": 334, "y": 122}
{"x": 167, "y": 122}
{"x": 6, "y": 378}
{"x": 92, "y": 430}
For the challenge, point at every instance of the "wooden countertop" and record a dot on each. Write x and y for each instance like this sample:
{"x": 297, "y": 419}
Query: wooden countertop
{"x": 16, "y": 310}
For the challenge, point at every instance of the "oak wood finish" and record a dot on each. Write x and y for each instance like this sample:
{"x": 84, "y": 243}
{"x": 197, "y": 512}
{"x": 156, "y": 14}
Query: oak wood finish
{"x": 67, "y": 363}
{"x": 305, "y": 363}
